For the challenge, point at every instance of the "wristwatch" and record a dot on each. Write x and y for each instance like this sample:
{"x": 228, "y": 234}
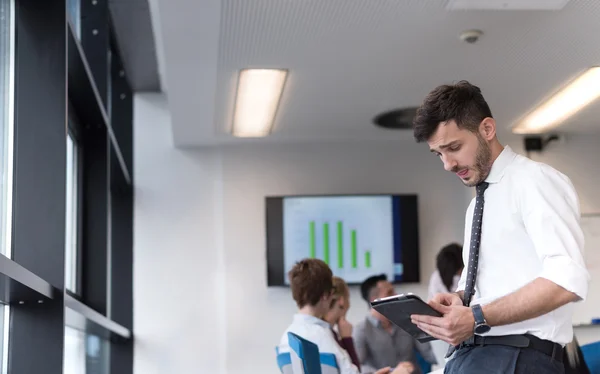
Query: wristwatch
{"x": 481, "y": 326}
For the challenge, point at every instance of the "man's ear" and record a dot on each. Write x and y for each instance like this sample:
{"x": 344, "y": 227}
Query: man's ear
{"x": 487, "y": 128}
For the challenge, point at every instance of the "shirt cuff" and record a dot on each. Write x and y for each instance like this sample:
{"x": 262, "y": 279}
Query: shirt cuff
{"x": 563, "y": 271}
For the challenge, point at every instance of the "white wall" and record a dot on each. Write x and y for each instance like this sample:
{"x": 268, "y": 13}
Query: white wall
{"x": 201, "y": 301}
{"x": 178, "y": 268}
{"x": 200, "y": 234}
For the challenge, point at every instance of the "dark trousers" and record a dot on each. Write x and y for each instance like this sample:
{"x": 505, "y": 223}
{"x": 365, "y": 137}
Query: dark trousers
{"x": 500, "y": 359}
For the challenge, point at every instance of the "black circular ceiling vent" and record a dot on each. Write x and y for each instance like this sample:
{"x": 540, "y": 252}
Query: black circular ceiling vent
{"x": 397, "y": 119}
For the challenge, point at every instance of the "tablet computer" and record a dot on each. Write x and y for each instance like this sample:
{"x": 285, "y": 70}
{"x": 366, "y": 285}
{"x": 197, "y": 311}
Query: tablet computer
{"x": 399, "y": 308}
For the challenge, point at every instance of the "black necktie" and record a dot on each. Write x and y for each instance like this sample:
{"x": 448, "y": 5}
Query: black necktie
{"x": 474, "y": 250}
{"x": 474, "y": 246}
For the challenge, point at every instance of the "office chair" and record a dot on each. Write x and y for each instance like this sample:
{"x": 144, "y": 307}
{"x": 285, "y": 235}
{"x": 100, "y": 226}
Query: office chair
{"x": 591, "y": 356}
{"x": 306, "y": 359}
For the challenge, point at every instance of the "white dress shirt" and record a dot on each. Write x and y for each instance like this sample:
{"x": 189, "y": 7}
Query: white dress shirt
{"x": 530, "y": 229}
{"x": 318, "y": 331}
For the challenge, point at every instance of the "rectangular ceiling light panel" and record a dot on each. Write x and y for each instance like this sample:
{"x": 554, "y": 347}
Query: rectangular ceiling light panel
{"x": 258, "y": 95}
{"x": 582, "y": 91}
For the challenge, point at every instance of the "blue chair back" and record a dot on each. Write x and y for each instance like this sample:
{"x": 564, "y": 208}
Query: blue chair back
{"x": 424, "y": 365}
{"x": 306, "y": 359}
{"x": 284, "y": 361}
{"x": 591, "y": 356}
{"x": 328, "y": 363}
{"x": 304, "y": 355}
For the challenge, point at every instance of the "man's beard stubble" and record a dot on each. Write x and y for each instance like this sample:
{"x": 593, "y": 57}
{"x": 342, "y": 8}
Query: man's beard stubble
{"x": 483, "y": 163}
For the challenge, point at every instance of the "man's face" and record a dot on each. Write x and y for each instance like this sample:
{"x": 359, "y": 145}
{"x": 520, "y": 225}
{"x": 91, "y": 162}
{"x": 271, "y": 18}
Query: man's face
{"x": 463, "y": 152}
{"x": 386, "y": 289}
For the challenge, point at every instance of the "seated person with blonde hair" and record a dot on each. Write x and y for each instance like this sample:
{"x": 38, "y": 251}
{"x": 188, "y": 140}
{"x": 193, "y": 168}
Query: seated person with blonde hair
{"x": 336, "y": 317}
{"x": 311, "y": 282}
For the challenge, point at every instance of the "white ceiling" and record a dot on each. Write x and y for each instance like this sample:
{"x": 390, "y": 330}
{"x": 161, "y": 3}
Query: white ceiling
{"x": 352, "y": 59}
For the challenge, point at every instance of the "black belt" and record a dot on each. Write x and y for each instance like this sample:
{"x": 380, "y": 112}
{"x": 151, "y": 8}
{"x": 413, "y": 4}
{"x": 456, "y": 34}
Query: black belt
{"x": 547, "y": 347}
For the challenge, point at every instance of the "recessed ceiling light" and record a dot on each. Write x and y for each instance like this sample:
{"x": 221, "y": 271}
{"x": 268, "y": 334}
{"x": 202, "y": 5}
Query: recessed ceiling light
{"x": 396, "y": 119}
{"x": 258, "y": 95}
{"x": 582, "y": 91}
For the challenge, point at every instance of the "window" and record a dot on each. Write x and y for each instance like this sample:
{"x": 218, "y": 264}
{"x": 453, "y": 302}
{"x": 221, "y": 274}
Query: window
{"x": 4, "y": 330}
{"x": 84, "y": 353}
{"x": 6, "y": 124}
{"x": 72, "y": 222}
{"x": 96, "y": 355}
{"x": 74, "y": 15}
{"x": 74, "y": 351}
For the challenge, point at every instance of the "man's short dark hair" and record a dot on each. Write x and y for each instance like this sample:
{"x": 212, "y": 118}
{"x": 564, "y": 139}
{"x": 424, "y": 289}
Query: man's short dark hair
{"x": 461, "y": 102}
{"x": 310, "y": 279}
{"x": 369, "y": 284}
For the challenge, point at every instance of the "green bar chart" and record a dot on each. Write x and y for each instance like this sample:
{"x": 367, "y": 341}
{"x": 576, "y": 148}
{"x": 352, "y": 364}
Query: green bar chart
{"x": 334, "y": 245}
{"x": 326, "y": 243}
{"x": 352, "y": 234}
{"x": 354, "y": 254}
{"x": 313, "y": 240}
{"x": 340, "y": 244}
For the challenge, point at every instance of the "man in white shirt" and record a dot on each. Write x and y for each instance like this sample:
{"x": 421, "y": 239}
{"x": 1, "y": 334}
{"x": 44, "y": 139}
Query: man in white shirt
{"x": 523, "y": 245}
{"x": 311, "y": 281}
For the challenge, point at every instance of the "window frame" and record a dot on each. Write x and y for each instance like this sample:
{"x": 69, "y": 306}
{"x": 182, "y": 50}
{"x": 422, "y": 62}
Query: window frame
{"x": 52, "y": 67}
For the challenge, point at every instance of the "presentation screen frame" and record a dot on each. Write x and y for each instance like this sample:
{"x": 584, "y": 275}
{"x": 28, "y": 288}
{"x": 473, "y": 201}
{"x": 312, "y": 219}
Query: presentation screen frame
{"x": 408, "y": 225}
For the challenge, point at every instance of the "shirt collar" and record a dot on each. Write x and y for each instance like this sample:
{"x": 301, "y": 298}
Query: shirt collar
{"x": 374, "y": 321}
{"x": 499, "y": 166}
{"x": 377, "y": 323}
{"x": 305, "y": 318}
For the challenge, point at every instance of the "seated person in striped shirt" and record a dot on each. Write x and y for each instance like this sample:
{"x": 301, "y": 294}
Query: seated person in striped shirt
{"x": 311, "y": 281}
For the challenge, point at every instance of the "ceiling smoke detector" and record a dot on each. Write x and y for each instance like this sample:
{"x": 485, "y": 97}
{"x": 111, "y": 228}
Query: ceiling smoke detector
{"x": 471, "y": 36}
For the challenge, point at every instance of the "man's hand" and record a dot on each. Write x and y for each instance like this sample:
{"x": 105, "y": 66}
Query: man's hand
{"x": 404, "y": 368}
{"x": 344, "y": 328}
{"x": 455, "y": 326}
{"x": 447, "y": 299}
